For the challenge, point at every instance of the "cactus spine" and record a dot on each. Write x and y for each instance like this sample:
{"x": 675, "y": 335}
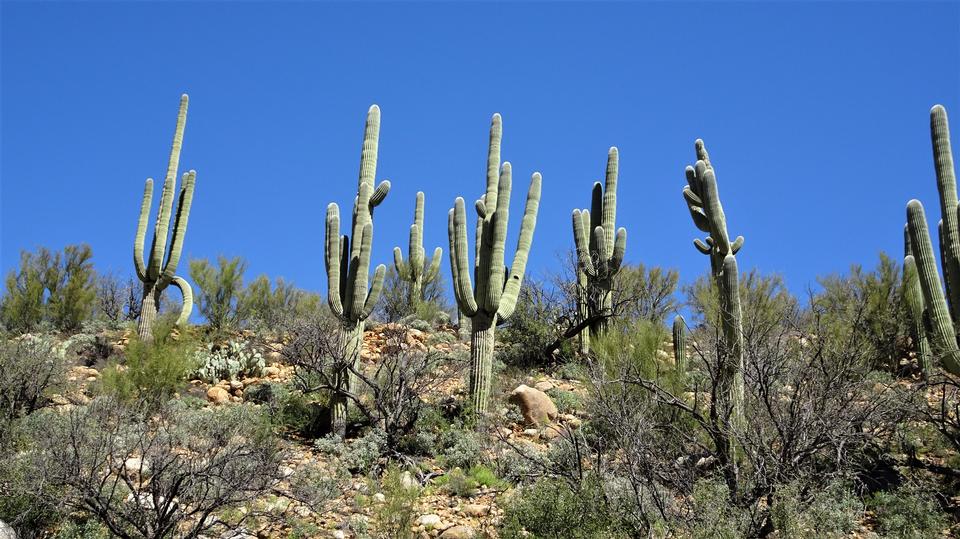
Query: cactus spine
{"x": 916, "y": 310}
{"x": 497, "y": 286}
{"x": 703, "y": 201}
{"x": 939, "y": 309}
{"x": 416, "y": 270}
{"x": 153, "y": 272}
{"x": 348, "y": 264}
{"x": 680, "y": 343}
{"x": 600, "y": 248}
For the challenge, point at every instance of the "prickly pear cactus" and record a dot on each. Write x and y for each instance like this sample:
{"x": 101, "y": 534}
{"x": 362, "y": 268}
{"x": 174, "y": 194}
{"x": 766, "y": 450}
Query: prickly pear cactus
{"x": 231, "y": 361}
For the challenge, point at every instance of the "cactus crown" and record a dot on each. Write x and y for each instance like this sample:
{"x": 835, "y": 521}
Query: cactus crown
{"x": 416, "y": 269}
{"x": 154, "y": 271}
{"x": 703, "y": 201}
{"x": 600, "y": 245}
{"x": 497, "y": 287}
{"x": 348, "y": 262}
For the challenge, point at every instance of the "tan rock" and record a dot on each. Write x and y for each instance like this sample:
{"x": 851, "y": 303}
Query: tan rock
{"x": 476, "y": 510}
{"x": 535, "y": 405}
{"x": 459, "y": 532}
{"x": 544, "y": 385}
{"x": 271, "y": 371}
{"x": 218, "y": 395}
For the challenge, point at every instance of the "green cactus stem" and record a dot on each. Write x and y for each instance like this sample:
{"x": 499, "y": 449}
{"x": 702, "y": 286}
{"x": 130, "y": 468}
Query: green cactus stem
{"x": 703, "y": 202}
{"x": 497, "y": 286}
{"x": 942, "y": 334}
{"x": 947, "y": 189}
{"x": 680, "y": 343}
{"x": 347, "y": 263}
{"x": 153, "y": 272}
{"x": 600, "y": 249}
{"x": 416, "y": 270}
{"x": 916, "y": 309}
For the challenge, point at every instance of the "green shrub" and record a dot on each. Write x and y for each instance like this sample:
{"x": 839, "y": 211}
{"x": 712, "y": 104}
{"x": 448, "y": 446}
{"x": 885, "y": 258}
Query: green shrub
{"x": 550, "y": 508}
{"x": 395, "y": 516}
{"x": 219, "y": 291}
{"x": 712, "y": 516}
{"x": 460, "y": 448}
{"x": 153, "y": 372}
{"x": 567, "y": 402}
{"x": 358, "y": 456}
{"x": 830, "y": 512}
{"x": 289, "y": 409}
{"x": 457, "y": 483}
{"x": 230, "y": 361}
{"x": 31, "y": 371}
{"x": 90, "y": 529}
{"x": 907, "y": 513}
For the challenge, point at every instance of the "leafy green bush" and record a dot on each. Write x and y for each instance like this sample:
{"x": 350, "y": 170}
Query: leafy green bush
{"x": 50, "y": 287}
{"x": 230, "y": 361}
{"x": 150, "y": 371}
{"x": 567, "y": 402}
{"x": 395, "y": 516}
{"x": 712, "y": 516}
{"x": 396, "y": 302}
{"x": 907, "y": 513}
{"x": 219, "y": 291}
{"x": 552, "y": 508}
{"x": 460, "y": 448}
{"x": 361, "y": 455}
{"x": 31, "y": 370}
{"x": 289, "y": 409}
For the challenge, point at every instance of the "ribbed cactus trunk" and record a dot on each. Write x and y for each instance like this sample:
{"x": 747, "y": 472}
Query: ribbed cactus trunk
{"x": 600, "y": 248}
{"x": 916, "y": 311}
{"x": 416, "y": 270}
{"x": 482, "y": 341}
{"x": 498, "y": 286}
{"x": 351, "y": 335}
{"x": 155, "y": 274}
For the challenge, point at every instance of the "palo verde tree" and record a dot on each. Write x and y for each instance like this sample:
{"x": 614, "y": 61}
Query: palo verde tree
{"x": 348, "y": 266}
{"x": 155, "y": 274}
{"x": 498, "y": 286}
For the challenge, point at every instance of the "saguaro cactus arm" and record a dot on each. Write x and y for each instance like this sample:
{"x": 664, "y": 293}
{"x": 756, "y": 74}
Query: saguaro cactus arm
{"x": 416, "y": 269}
{"x": 180, "y": 225}
{"x": 187, "y": 292}
{"x": 511, "y": 290}
{"x": 166, "y": 199}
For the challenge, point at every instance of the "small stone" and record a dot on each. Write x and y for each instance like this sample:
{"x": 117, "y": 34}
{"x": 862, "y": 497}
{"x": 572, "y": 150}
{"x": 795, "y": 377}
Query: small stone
{"x": 286, "y": 471}
{"x": 476, "y": 510}
{"x": 428, "y": 521}
{"x": 218, "y": 395}
{"x": 379, "y": 497}
{"x": 236, "y": 384}
{"x": 136, "y": 466}
{"x": 408, "y": 482}
{"x": 339, "y": 534}
{"x": 459, "y": 532}
{"x": 271, "y": 371}
{"x": 532, "y": 433}
{"x": 7, "y": 532}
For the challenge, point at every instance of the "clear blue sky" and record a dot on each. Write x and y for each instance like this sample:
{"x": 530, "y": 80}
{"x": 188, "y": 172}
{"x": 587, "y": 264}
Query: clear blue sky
{"x": 815, "y": 114}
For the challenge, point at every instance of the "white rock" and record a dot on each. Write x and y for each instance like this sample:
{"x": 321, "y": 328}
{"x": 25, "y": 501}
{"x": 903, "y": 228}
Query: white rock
{"x": 6, "y": 532}
{"x": 428, "y": 521}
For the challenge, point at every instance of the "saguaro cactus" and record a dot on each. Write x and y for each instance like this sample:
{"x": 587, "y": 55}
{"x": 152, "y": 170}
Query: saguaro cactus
{"x": 703, "y": 201}
{"x": 416, "y": 270}
{"x": 940, "y": 310}
{"x": 498, "y": 287}
{"x": 680, "y": 343}
{"x": 916, "y": 309}
{"x": 154, "y": 273}
{"x": 348, "y": 265}
{"x": 600, "y": 248}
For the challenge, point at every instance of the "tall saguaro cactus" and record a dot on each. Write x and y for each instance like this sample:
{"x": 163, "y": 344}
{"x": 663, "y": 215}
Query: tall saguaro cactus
{"x": 348, "y": 265}
{"x": 703, "y": 201}
{"x": 600, "y": 249}
{"x": 940, "y": 310}
{"x": 416, "y": 270}
{"x": 498, "y": 286}
{"x": 155, "y": 273}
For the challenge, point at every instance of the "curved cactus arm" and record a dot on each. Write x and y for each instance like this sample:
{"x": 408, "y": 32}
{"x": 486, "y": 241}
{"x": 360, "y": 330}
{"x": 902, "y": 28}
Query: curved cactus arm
{"x": 459, "y": 263}
{"x": 691, "y": 198}
{"x": 379, "y": 194}
{"x": 161, "y": 229}
{"x": 942, "y": 327}
{"x": 498, "y": 224}
{"x": 619, "y": 250}
{"x": 373, "y": 296}
{"x": 511, "y": 290}
{"x": 693, "y": 182}
{"x": 610, "y": 198}
{"x": 180, "y": 225}
{"x": 702, "y": 247}
{"x": 399, "y": 264}
{"x": 702, "y": 154}
{"x": 333, "y": 259}
{"x": 713, "y": 209}
{"x": 434, "y": 266}
{"x": 187, "y": 292}
{"x": 581, "y": 242}
{"x": 138, "y": 241}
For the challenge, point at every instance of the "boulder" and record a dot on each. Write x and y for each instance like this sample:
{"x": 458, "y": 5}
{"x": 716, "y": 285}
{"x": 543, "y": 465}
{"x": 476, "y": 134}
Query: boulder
{"x": 459, "y": 532}
{"x": 218, "y": 395}
{"x": 536, "y": 406}
{"x": 6, "y": 531}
